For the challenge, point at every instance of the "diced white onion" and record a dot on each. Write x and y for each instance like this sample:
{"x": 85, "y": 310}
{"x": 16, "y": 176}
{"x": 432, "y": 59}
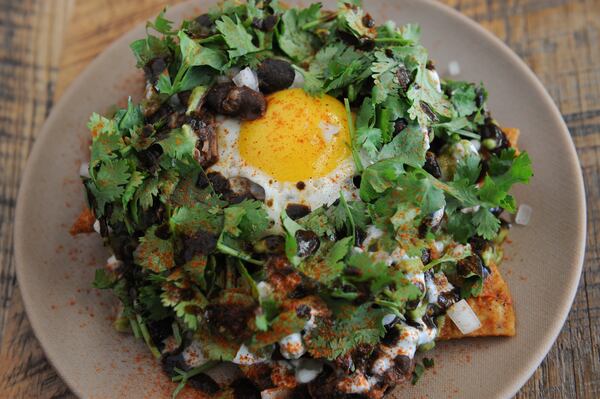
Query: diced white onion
{"x": 453, "y": 68}
{"x": 388, "y": 319}
{"x": 264, "y": 289}
{"x": 307, "y": 370}
{"x": 97, "y": 226}
{"x": 84, "y": 170}
{"x": 476, "y": 144}
{"x": 464, "y": 317}
{"x": 246, "y": 77}
{"x": 436, "y": 217}
{"x": 113, "y": 263}
{"x": 523, "y": 214}
{"x": 245, "y": 357}
{"x": 435, "y": 78}
{"x": 471, "y": 209}
{"x": 329, "y": 130}
{"x": 298, "y": 82}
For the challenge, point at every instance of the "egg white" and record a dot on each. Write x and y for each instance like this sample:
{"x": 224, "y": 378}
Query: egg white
{"x": 278, "y": 194}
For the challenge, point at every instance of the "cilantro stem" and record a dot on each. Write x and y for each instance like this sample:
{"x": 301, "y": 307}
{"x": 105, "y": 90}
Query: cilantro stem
{"x": 135, "y": 327}
{"x": 146, "y": 336}
{"x": 237, "y": 254}
{"x": 183, "y": 376}
{"x": 390, "y": 40}
{"x": 176, "y": 333}
{"x": 355, "y": 155}
{"x": 317, "y": 22}
{"x": 350, "y": 217}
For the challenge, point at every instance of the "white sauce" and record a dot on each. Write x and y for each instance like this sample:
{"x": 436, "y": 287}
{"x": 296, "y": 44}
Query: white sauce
{"x": 405, "y": 346}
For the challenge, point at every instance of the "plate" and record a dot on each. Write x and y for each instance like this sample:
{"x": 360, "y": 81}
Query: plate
{"x": 73, "y": 321}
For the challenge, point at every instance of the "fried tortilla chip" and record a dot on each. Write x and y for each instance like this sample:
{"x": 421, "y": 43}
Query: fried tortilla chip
{"x": 494, "y": 308}
{"x": 512, "y": 135}
{"x": 494, "y": 305}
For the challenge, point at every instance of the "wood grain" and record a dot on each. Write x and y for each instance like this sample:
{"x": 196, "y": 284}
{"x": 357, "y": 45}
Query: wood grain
{"x": 558, "y": 39}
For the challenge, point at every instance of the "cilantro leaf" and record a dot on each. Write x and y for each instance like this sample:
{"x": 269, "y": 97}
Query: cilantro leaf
{"x": 236, "y": 37}
{"x": 161, "y": 24}
{"x": 298, "y": 44}
{"x": 195, "y": 55}
{"x": 110, "y": 180}
{"x": 495, "y": 189}
{"x": 106, "y": 141}
{"x": 179, "y": 142}
{"x": 463, "y": 97}
{"x": 145, "y": 50}
{"x": 363, "y": 325}
{"x": 468, "y": 169}
{"x": 487, "y": 225}
{"x": 154, "y": 253}
{"x": 247, "y": 220}
{"x": 188, "y": 220}
{"x": 131, "y": 117}
{"x": 384, "y": 75}
{"x": 425, "y": 93}
{"x": 410, "y": 145}
{"x": 103, "y": 279}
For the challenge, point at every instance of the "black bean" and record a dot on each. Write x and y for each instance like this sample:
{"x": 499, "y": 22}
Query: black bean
{"x": 159, "y": 330}
{"x": 150, "y": 157}
{"x": 400, "y": 125}
{"x": 356, "y": 180}
{"x": 172, "y": 361}
{"x": 202, "y": 182}
{"x": 429, "y": 112}
{"x": 472, "y": 265}
{"x": 426, "y": 256}
{"x": 403, "y": 78}
{"x": 275, "y": 75}
{"x": 368, "y": 21}
{"x": 242, "y": 188}
{"x": 219, "y": 183}
{"x": 479, "y": 244}
{"x": 431, "y": 165}
{"x": 244, "y": 388}
{"x": 201, "y": 243}
{"x": 447, "y": 299}
{"x": 217, "y": 94}
{"x": 244, "y": 103}
{"x": 267, "y": 24}
{"x": 204, "y": 20}
{"x": 493, "y": 132}
{"x": 391, "y": 336}
{"x": 163, "y": 232}
{"x": 154, "y": 68}
{"x": 300, "y": 185}
{"x": 403, "y": 364}
{"x": 308, "y": 242}
{"x": 204, "y": 383}
{"x": 297, "y": 211}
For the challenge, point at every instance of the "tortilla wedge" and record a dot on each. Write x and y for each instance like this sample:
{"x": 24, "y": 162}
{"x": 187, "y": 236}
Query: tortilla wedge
{"x": 494, "y": 305}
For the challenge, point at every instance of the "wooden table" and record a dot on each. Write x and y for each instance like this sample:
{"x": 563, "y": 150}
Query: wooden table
{"x": 44, "y": 44}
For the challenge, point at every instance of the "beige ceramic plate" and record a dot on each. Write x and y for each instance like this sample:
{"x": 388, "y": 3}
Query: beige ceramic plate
{"x": 544, "y": 262}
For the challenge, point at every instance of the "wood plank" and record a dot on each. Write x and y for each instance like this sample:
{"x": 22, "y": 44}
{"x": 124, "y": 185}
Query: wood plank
{"x": 559, "y": 39}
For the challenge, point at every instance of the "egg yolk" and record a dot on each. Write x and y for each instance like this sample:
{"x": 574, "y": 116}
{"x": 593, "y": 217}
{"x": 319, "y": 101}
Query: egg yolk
{"x": 300, "y": 136}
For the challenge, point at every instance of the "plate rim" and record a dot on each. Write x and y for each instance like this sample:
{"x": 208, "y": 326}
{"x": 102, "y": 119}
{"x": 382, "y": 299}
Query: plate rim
{"x": 571, "y": 283}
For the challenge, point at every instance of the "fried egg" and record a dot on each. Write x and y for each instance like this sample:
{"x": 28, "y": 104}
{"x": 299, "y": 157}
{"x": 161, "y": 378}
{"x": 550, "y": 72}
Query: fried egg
{"x": 299, "y": 151}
